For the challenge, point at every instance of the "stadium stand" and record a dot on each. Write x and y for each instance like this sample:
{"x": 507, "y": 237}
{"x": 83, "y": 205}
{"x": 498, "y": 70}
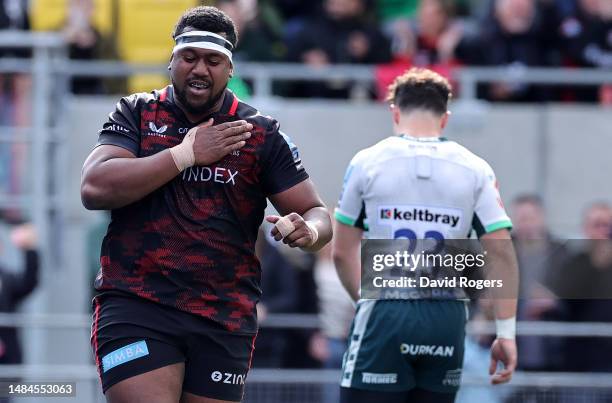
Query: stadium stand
{"x": 144, "y": 36}
{"x": 49, "y": 15}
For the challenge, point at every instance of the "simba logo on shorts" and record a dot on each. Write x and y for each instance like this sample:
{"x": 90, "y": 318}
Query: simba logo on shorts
{"x": 371, "y": 377}
{"x": 124, "y": 354}
{"x": 433, "y": 350}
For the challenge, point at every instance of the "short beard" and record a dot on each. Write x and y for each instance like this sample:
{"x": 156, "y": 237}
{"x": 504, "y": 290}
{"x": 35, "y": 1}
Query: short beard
{"x": 197, "y": 110}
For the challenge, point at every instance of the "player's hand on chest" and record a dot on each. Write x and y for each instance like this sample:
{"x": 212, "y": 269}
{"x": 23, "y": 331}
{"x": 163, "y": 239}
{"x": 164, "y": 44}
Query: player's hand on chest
{"x": 224, "y": 152}
{"x": 214, "y": 142}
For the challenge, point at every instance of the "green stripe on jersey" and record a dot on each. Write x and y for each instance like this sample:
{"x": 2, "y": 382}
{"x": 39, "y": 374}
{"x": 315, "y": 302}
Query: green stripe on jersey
{"x": 499, "y": 225}
{"x": 344, "y": 219}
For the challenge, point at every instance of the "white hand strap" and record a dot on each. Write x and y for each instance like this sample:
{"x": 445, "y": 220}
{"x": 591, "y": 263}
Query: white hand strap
{"x": 506, "y": 328}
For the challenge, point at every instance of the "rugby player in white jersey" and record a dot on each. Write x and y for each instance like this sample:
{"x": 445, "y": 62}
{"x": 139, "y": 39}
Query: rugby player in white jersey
{"x": 418, "y": 185}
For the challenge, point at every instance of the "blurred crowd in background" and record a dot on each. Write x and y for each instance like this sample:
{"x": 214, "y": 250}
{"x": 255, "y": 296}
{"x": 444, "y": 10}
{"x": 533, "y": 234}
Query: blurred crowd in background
{"x": 391, "y": 34}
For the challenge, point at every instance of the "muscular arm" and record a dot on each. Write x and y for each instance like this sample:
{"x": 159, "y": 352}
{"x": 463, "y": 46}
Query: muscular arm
{"x": 113, "y": 177}
{"x": 346, "y": 248}
{"x": 303, "y": 200}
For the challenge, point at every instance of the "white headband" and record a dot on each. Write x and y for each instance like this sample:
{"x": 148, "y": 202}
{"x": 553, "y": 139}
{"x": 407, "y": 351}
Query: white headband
{"x": 204, "y": 40}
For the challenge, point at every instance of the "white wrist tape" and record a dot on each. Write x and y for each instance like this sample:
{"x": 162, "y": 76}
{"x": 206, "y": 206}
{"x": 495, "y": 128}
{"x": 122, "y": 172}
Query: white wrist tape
{"x": 313, "y": 231}
{"x": 285, "y": 226}
{"x": 506, "y": 328}
{"x": 182, "y": 154}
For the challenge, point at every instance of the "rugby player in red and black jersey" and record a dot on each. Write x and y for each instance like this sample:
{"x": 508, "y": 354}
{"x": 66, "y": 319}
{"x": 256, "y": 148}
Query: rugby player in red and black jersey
{"x": 186, "y": 171}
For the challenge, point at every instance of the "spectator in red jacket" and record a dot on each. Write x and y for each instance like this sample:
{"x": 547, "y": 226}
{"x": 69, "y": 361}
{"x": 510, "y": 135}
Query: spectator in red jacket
{"x": 432, "y": 38}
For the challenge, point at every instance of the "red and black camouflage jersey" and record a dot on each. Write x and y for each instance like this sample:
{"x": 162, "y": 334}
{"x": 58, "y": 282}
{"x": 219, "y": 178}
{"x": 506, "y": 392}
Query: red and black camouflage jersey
{"x": 190, "y": 244}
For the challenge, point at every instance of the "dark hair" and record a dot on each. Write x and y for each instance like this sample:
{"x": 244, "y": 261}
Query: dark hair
{"x": 420, "y": 89}
{"x": 528, "y": 198}
{"x": 205, "y": 18}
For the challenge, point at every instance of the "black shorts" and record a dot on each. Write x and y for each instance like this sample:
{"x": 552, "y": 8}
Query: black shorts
{"x": 131, "y": 336}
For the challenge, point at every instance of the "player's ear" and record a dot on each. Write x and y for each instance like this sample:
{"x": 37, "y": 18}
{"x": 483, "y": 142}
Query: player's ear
{"x": 444, "y": 120}
{"x": 395, "y": 112}
{"x": 170, "y": 62}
